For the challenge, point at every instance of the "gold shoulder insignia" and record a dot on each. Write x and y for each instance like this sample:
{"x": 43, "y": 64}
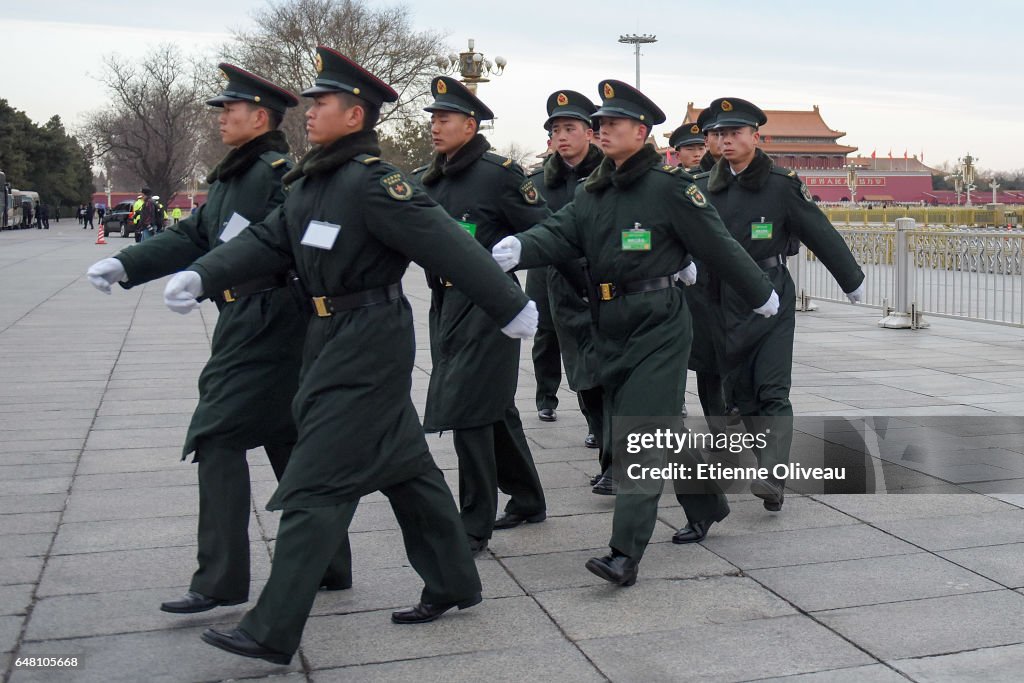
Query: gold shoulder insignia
{"x": 397, "y": 187}
{"x": 370, "y": 160}
{"x": 695, "y": 195}
{"x": 529, "y": 192}
{"x": 792, "y": 174}
{"x": 507, "y": 163}
{"x": 278, "y": 163}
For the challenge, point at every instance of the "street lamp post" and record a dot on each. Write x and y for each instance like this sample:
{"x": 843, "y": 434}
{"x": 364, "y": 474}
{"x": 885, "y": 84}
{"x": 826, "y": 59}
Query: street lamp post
{"x": 851, "y": 182}
{"x": 472, "y": 66}
{"x": 967, "y": 169}
{"x": 958, "y": 184}
{"x": 638, "y": 40}
{"x": 108, "y": 189}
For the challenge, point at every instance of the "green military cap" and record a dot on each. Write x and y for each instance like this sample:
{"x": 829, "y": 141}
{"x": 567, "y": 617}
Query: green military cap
{"x": 243, "y": 86}
{"x": 686, "y": 134}
{"x": 621, "y": 100}
{"x": 569, "y": 104}
{"x": 703, "y": 118}
{"x": 732, "y": 112}
{"x": 451, "y": 95}
{"x": 337, "y": 73}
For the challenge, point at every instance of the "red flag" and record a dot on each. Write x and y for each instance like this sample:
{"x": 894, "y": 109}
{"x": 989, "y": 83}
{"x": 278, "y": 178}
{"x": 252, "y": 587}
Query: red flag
{"x": 873, "y": 153}
{"x": 922, "y": 155}
{"x": 890, "y": 152}
{"x": 904, "y": 155}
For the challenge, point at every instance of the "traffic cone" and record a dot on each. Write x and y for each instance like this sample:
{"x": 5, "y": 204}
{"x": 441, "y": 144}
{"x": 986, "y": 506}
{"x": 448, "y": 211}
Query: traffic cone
{"x": 100, "y": 239}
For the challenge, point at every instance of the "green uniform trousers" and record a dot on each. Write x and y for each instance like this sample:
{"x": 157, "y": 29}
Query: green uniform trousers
{"x": 223, "y": 538}
{"x": 592, "y": 406}
{"x": 650, "y": 389}
{"x": 435, "y": 543}
{"x": 491, "y": 457}
{"x": 547, "y": 366}
{"x": 761, "y": 387}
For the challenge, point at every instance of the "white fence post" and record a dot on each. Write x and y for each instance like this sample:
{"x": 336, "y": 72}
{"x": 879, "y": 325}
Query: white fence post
{"x": 796, "y": 271}
{"x": 904, "y": 315}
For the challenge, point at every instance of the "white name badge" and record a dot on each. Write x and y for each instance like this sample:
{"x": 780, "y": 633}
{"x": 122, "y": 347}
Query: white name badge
{"x": 236, "y": 224}
{"x": 320, "y": 235}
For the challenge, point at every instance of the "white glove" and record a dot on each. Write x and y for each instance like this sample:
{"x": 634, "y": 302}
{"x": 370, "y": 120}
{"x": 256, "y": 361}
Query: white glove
{"x": 770, "y": 307}
{"x": 507, "y": 253}
{"x": 524, "y": 325}
{"x": 857, "y": 295}
{"x": 105, "y": 273}
{"x": 687, "y": 275}
{"x": 183, "y": 291}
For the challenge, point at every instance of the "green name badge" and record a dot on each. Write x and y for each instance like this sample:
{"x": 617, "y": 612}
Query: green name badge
{"x": 636, "y": 240}
{"x": 468, "y": 227}
{"x": 760, "y": 231}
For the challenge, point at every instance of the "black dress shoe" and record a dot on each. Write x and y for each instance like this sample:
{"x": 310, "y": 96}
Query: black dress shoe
{"x": 695, "y": 531}
{"x": 195, "y": 602}
{"x": 424, "y": 612}
{"x": 238, "y": 642}
{"x": 596, "y": 478}
{"x": 591, "y": 441}
{"x": 605, "y": 486}
{"x": 510, "y": 520}
{"x": 547, "y": 415}
{"x": 476, "y": 545}
{"x": 771, "y": 492}
{"x": 685, "y": 412}
{"x": 615, "y": 568}
{"x": 733, "y": 417}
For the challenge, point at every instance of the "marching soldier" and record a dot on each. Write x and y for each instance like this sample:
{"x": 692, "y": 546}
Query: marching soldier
{"x": 573, "y": 158}
{"x": 636, "y": 220}
{"x": 349, "y": 226}
{"x": 476, "y": 368}
{"x": 768, "y": 210}
{"x": 246, "y": 388}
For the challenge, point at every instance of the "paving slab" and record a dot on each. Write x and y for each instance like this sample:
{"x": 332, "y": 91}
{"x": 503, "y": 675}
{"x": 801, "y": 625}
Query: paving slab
{"x": 805, "y": 546}
{"x": 989, "y": 664}
{"x": 960, "y": 531}
{"x": 544, "y": 662}
{"x": 874, "y": 673}
{"x": 1003, "y": 564}
{"x": 936, "y": 626}
{"x": 658, "y": 605}
{"x": 739, "y": 651}
{"x": 370, "y": 637}
{"x": 832, "y": 585}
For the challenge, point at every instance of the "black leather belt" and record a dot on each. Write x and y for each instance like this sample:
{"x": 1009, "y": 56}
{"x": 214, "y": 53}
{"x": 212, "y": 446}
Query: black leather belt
{"x": 772, "y": 261}
{"x": 609, "y": 290}
{"x": 326, "y": 306}
{"x": 260, "y": 284}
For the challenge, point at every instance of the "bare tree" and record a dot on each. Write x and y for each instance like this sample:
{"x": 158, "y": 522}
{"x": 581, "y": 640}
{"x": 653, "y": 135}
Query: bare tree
{"x": 521, "y": 155}
{"x": 152, "y": 125}
{"x": 282, "y": 47}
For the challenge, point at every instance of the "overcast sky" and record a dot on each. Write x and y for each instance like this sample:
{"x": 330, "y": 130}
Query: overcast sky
{"x": 940, "y": 78}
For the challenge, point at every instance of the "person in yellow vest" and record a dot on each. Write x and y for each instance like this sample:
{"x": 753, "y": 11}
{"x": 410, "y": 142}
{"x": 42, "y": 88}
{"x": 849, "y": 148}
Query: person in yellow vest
{"x": 176, "y": 214}
{"x": 136, "y": 215}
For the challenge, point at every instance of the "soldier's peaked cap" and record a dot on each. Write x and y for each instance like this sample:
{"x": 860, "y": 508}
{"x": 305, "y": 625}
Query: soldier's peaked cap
{"x": 732, "y": 112}
{"x": 621, "y": 100}
{"x": 686, "y": 134}
{"x": 337, "y": 73}
{"x": 569, "y": 104}
{"x": 452, "y": 95}
{"x": 243, "y": 86}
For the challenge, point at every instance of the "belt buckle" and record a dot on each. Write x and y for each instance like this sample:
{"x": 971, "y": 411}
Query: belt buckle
{"x": 320, "y": 305}
{"x": 229, "y": 295}
{"x": 607, "y": 293}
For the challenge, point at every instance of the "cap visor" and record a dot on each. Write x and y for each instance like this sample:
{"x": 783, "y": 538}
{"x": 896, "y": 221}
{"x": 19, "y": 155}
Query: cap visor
{"x": 444, "y": 106}
{"x": 219, "y": 100}
{"x": 614, "y": 113}
{"x": 565, "y": 115}
{"x": 319, "y": 90}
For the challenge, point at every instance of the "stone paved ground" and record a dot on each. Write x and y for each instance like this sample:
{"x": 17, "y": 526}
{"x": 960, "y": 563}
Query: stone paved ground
{"x": 97, "y": 520}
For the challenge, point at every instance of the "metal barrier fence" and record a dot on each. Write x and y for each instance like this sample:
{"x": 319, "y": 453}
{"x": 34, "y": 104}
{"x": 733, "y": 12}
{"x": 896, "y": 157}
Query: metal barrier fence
{"x": 927, "y": 216}
{"x": 910, "y": 272}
